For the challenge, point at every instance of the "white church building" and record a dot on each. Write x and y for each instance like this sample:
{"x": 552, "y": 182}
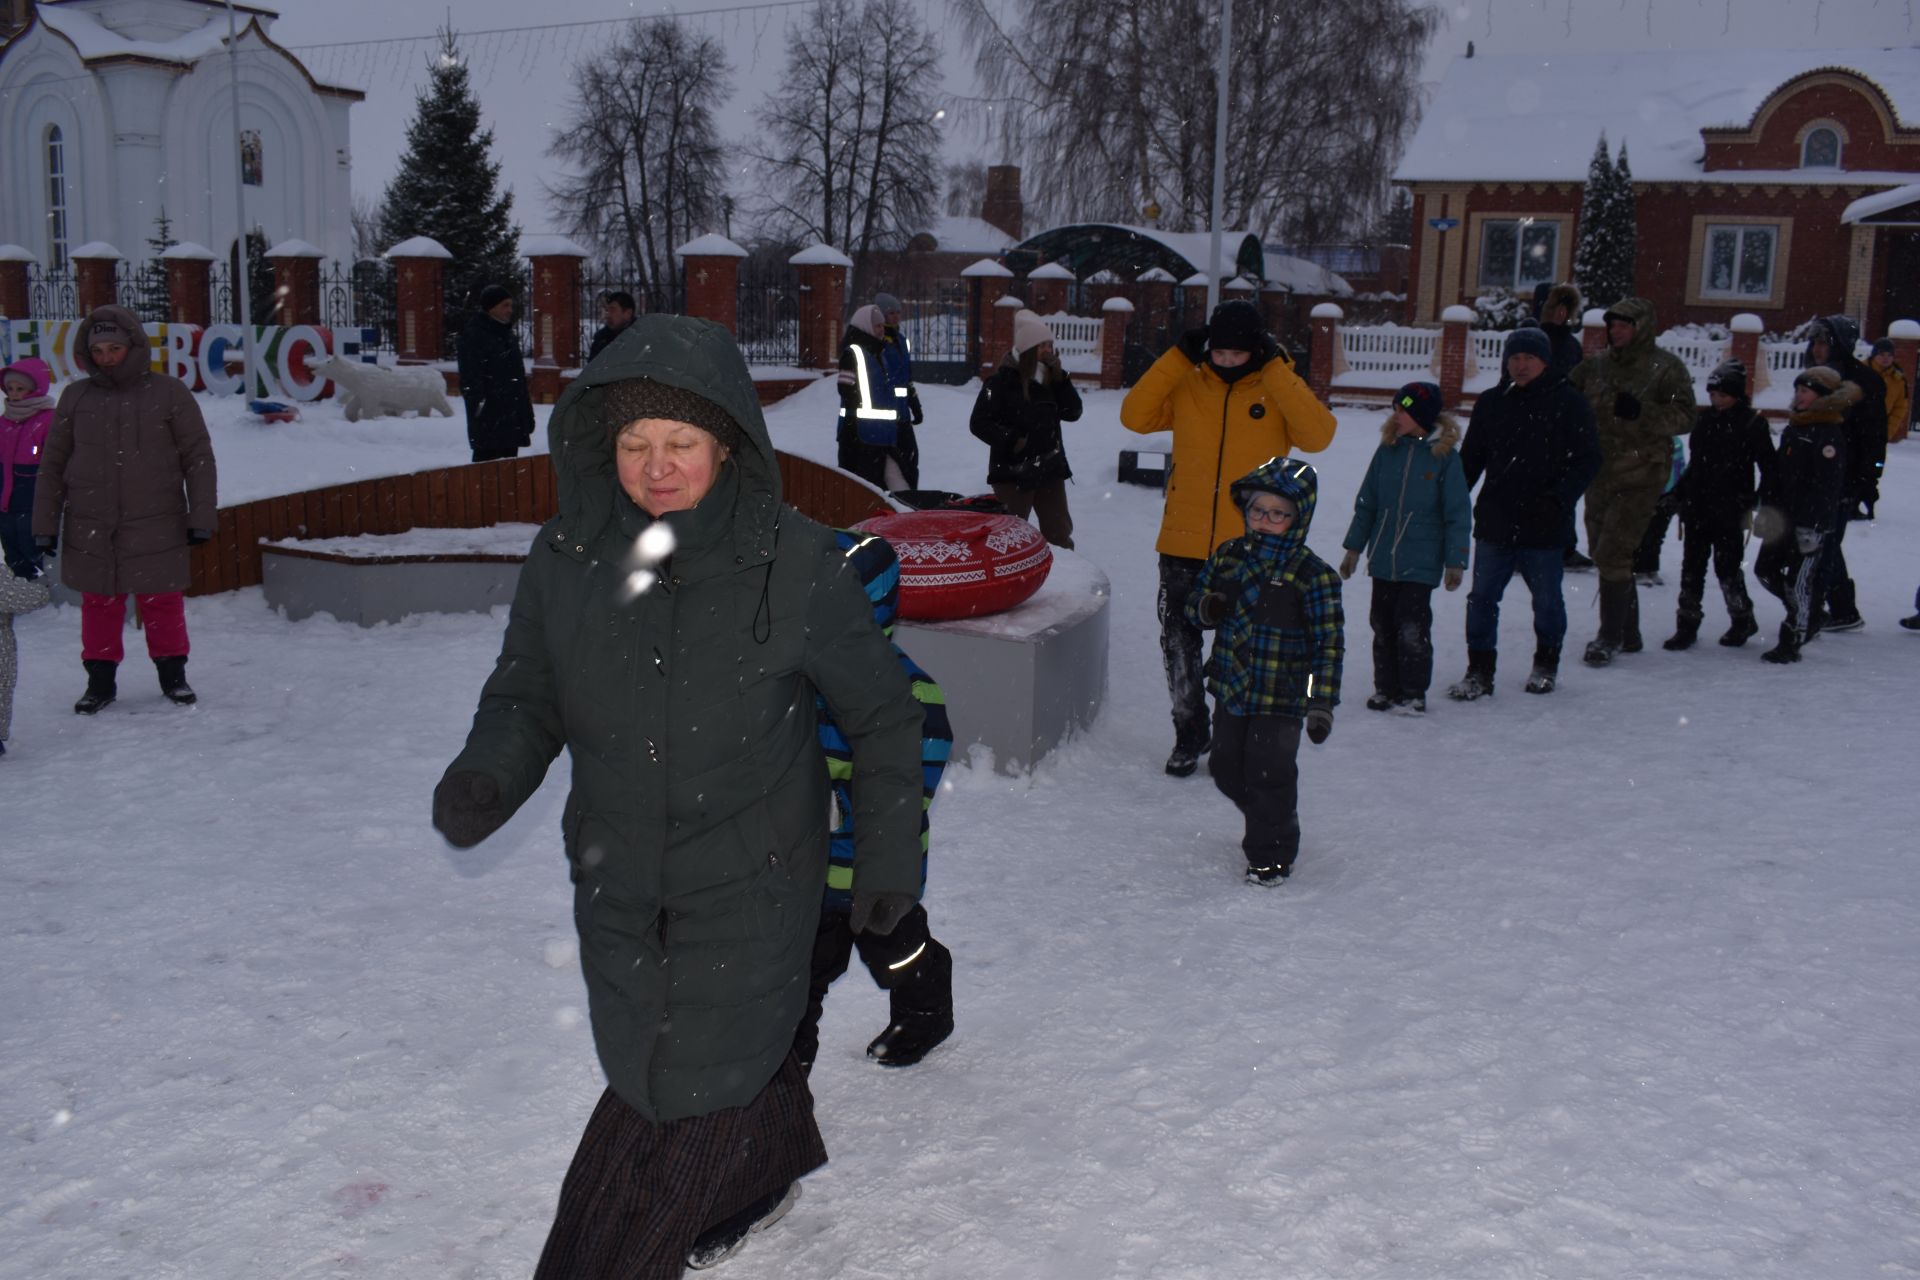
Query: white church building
{"x": 114, "y": 110}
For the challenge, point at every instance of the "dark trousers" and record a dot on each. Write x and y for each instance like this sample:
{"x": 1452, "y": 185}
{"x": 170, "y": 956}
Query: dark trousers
{"x": 1402, "y": 618}
{"x": 869, "y": 461}
{"x": 495, "y": 454}
{"x": 1180, "y": 646}
{"x": 1646, "y": 558}
{"x": 1049, "y": 501}
{"x": 909, "y": 964}
{"x": 16, "y": 540}
{"x": 1724, "y": 541}
{"x": 1795, "y": 578}
{"x": 1493, "y": 568}
{"x": 1254, "y": 763}
{"x": 1836, "y": 583}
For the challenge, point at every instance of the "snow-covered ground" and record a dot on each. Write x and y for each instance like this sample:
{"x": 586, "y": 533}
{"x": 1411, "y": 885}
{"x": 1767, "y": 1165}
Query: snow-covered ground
{"x": 1619, "y": 982}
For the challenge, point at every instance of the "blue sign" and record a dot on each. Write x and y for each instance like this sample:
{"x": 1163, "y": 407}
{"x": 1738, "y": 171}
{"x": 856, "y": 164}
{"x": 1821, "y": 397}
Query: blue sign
{"x": 1443, "y": 224}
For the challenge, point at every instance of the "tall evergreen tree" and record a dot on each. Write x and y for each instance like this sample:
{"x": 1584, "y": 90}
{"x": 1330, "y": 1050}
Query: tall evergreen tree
{"x": 1624, "y": 243}
{"x": 1603, "y": 259}
{"x": 447, "y": 189}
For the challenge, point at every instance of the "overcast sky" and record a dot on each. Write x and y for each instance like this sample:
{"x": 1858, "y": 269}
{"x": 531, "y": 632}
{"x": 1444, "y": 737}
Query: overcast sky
{"x": 521, "y": 77}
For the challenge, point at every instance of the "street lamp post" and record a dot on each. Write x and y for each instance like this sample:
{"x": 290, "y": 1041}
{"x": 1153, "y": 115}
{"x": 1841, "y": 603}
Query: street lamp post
{"x": 1219, "y": 154}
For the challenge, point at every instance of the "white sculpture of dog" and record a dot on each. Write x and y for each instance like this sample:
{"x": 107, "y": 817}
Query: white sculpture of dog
{"x": 376, "y": 391}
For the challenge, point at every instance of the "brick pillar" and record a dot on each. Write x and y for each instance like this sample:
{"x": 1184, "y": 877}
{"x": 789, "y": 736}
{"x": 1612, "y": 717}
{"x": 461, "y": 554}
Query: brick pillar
{"x": 94, "y": 266}
{"x": 822, "y": 270}
{"x": 712, "y": 265}
{"x": 296, "y": 283}
{"x": 1000, "y": 330}
{"x": 1325, "y": 324}
{"x": 419, "y": 305}
{"x": 1454, "y": 325}
{"x": 556, "y": 313}
{"x": 1745, "y": 348}
{"x": 1047, "y": 288}
{"x": 989, "y": 282}
{"x": 1115, "y": 315}
{"x": 1593, "y": 332}
{"x": 1906, "y": 352}
{"x": 189, "y": 280}
{"x": 13, "y": 281}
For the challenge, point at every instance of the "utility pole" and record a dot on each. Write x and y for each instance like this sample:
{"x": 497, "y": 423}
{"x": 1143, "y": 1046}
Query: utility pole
{"x": 243, "y": 275}
{"x": 1219, "y": 154}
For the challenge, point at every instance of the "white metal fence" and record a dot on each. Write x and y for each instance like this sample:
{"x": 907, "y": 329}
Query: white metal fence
{"x": 1077, "y": 340}
{"x": 1385, "y": 354}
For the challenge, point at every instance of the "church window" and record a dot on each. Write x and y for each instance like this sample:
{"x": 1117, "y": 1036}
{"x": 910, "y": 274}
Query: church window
{"x": 56, "y": 199}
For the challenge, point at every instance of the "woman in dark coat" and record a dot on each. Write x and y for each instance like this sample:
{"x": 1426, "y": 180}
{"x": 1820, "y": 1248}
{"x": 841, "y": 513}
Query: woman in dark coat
{"x": 128, "y": 467}
{"x": 670, "y": 629}
{"x": 1018, "y": 414}
{"x": 493, "y": 380}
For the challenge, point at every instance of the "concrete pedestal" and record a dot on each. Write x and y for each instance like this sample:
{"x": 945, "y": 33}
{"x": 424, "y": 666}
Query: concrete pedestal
{"x": 383, "y": 578}
{"x": 1020, "y": 682}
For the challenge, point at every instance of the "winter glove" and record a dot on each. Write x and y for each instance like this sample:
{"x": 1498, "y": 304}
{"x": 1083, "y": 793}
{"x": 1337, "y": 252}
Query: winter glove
{"x": 1212, "y": 609}
{"x": 48, "y": 543}
{"x": 466, "y": 808}
{"x": 1453, "y": 577}
{"x": 878, "y": 913}
{"x": 197, "y": 536}
{"x": 1348, "y": 563}
{"x": 1626, "y": 407}
{"x": 1193, "y": 344}
{"x": 914, "y": 412}
{"x": 1769, "y": 524}
{"x": 1807, "y": 540}
{"x": 1319, "y": 721}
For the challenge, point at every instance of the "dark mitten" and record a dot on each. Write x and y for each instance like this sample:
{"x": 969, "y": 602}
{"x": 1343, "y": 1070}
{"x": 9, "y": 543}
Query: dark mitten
{"x": 878, "y": 913}
{"x": 1626, "y": 407}
{"x": 48, "y": 543}
{"x": 1212, "y": 609}
{"x": 914, "y": 412}
{"x": 1319, "y": 721}
{"x": 1193, "y": 344}
{"x": 466, "y": 808}
{"x": 197, "y": 536}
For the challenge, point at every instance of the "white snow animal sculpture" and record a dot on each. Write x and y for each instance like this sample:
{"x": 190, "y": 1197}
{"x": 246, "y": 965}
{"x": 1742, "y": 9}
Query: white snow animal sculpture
{"x": 375, "y": 391}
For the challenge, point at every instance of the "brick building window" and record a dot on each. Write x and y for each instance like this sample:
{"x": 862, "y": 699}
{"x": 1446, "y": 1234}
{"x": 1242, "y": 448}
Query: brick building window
{"x": 1820, "y": 149}
{"x": 1518, "y": 253}
{"x": 1738, "y": 261}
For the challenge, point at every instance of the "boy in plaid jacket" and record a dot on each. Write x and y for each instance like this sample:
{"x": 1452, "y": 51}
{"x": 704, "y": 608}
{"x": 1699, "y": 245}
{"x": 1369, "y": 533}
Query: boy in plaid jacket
{"x": 1276, "y": 657}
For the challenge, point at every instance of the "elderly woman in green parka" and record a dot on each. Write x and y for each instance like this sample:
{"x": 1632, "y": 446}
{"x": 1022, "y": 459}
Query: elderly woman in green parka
{"x": 670, "y": 628}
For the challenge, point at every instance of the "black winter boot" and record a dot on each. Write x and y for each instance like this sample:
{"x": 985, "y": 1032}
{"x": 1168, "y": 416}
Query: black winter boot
{"x": 921, "y": 1004}
{"x": 1630, "y": 641}
{"x": 1546, "y": 671}
{"x": 1740, "y": 610}
{"x": 173, "y": 680}
{"x": 1788, "y": 650}
{"x": 1478, "y": 682}
{"x": 725, "y": 1238}
{"x": 1190, "y": 742}
{"x": 100, "y": 686}
{"x": 1686, "y": 630}
{"x": 1613, "y": 622}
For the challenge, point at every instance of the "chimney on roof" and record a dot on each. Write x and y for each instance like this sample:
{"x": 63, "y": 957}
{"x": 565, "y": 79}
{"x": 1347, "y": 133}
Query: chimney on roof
{"x": 1002, "y": 207}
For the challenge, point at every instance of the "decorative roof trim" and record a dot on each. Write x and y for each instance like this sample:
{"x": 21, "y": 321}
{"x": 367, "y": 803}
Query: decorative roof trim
{"x": 1846, "y": 77}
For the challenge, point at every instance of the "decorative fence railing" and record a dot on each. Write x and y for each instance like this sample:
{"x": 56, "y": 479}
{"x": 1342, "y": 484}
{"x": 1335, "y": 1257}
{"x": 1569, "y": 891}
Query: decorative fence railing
{"x": 52, "y": 293}
{"x": 768, "y": 313}
{"x": 1076, "y": 339}
{"x": 1386, "y": 353}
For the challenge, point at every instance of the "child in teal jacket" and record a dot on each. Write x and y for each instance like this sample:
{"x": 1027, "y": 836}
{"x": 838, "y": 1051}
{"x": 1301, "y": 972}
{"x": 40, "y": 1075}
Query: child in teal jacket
{"x": 1413, "y": 519}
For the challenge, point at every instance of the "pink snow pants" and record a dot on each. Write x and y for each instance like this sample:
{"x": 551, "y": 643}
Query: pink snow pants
{"x": 104, "y": 618}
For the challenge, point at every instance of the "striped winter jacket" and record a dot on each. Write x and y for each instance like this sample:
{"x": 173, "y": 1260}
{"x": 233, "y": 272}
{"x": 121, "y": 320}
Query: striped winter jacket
{"x": 874, "y": 560}
{"x": 1283, "y": 637}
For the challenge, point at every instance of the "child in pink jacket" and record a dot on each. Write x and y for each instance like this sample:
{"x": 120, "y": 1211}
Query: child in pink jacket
{"x": 23, "y": 432}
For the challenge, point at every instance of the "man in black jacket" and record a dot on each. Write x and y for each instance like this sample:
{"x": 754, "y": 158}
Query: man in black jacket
{"x": 1533, "y": 440}
{"x": 1830, "y": 344}
{"x": 1802, "y": 504}
{"x": 617, "y": 310}
{"x": 1558, "y": 308}
{"x": 493, "y": 380}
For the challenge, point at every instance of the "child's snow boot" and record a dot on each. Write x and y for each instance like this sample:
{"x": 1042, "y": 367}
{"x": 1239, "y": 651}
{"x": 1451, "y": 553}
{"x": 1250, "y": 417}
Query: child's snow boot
{"x": 101, "y": 688}
{"x": 1380, "y": 701}
{"x": 1788, "y": 650}
{"x": 1190, "y": 742}
{"x": 910, "y": 1038}
{"x": 1414, "y": 706}
{"x": 1269, "y": 875}
{"x": 1546, "y": 671}
{"x": 173, "y": 680}
{"x": 1740, "y": 610}
{"x": 1686, "y": 630}
{"x": 1478, "y": 682}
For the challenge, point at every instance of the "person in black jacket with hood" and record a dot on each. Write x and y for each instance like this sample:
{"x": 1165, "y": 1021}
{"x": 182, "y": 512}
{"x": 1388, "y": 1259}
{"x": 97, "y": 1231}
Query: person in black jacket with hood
{"x": 1018, "y": 414}
{"x": 1533, "y": 439}
{"x": 1715, "y": 498}
{"x": 493, "y": 380}
{"x": 1830, "y": 343}
{"x": 1801, "y": 509}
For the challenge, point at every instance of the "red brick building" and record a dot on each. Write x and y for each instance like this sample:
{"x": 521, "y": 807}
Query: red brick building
{"x": 1745, "y": 163}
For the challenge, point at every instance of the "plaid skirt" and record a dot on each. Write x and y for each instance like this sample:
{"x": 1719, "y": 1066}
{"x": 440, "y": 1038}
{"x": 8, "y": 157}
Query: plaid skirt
{"x": 638, "y": 1194}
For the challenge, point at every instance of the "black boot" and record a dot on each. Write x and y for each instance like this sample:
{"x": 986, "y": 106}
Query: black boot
{"x": 724, "y": 1239}
{"x": 100, "y": 686}
{"x": 173, "y": 680}
{"x": 1630, "y": 641}
{"x": 1788, "y": 650}
{"x": 1190, "y": 742}
{"x": 1546, "y": 671}
{"x": 1686, "y": 630}
{"x": 1613, "y": 621}
{"x": 921, "y": 1003}
{"x": 1478, "y": 682}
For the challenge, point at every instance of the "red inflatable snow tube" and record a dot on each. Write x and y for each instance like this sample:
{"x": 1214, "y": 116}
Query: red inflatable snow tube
{"x": 962, "y": 564}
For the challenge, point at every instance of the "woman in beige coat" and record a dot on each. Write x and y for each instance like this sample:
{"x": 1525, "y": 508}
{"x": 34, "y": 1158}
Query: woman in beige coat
{"x": 128, "y": 468}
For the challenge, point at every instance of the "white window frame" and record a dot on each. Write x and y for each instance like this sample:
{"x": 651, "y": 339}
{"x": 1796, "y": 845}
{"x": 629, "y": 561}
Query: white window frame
{"x": 1519, "y": 225}
{"x": 53, "y": 156}
{"x": 1740, "y": 231}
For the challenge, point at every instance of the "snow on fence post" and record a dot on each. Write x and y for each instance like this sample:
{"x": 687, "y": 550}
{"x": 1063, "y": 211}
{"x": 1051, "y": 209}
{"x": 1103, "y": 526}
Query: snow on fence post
{"x": 556, "y": 311}
{"x": 1047, "y": 288}
{"x": 189, "y": 283}
{"x": 296, "y": 283}
{"x": 1455, "y": 321}
{"x": 1906, "y": 351}
{"x": 1325, "y": 325}
{"x": 1593, "y": 332}
{"x": 712, "y": 264}
{"x": 418, "y": 306}
{"x": 1000, "y": 328}
{"x": 1115, "y": 315}
{"x": 94, "y": 265}
{"x": 13, "y": 281}
{"x": 822, "y": 271}
{"x": 1745, "y": 348}
{"x": 988, "y": 281}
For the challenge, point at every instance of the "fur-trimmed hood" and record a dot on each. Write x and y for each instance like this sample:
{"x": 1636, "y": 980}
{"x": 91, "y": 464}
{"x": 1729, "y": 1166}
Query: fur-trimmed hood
{"x": 1444, "y": 438}
{"x": 1831, "y": 407}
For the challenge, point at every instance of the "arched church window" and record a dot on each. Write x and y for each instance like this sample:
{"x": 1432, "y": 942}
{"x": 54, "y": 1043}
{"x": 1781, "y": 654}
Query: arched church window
{"x": 252, "y": 158}
{"x": 1821, "y": 149}
{"x": 56, "y": 199}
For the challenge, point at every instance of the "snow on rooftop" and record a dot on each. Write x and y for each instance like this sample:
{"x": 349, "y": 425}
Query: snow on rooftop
{"x": 1051, "y": 271}
{"x": 550, "y": 247}
{"x": 986, "y": 267}
{"x": 419, "y": 247}
{"x": 96, "y": 249}
{"x": 16, "y": 253}
{"x": 1525, "y": 117}
{"x": 1302, "y": 276}
{"x": 820, "y": 255}
{"x": 188, "y": 251}
{"x": 711, "y": 245}
{"x": 92, "y": 38}
{"x": 959, "y": 234}
{"x": 1867, "y": 206}
{"x": 296, "y": 249}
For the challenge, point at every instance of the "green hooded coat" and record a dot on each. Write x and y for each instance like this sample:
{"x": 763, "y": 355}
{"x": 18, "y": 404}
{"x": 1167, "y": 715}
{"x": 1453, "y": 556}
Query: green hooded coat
{"x": 696, "y": 828}
{"x": 1636, "y": 452}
